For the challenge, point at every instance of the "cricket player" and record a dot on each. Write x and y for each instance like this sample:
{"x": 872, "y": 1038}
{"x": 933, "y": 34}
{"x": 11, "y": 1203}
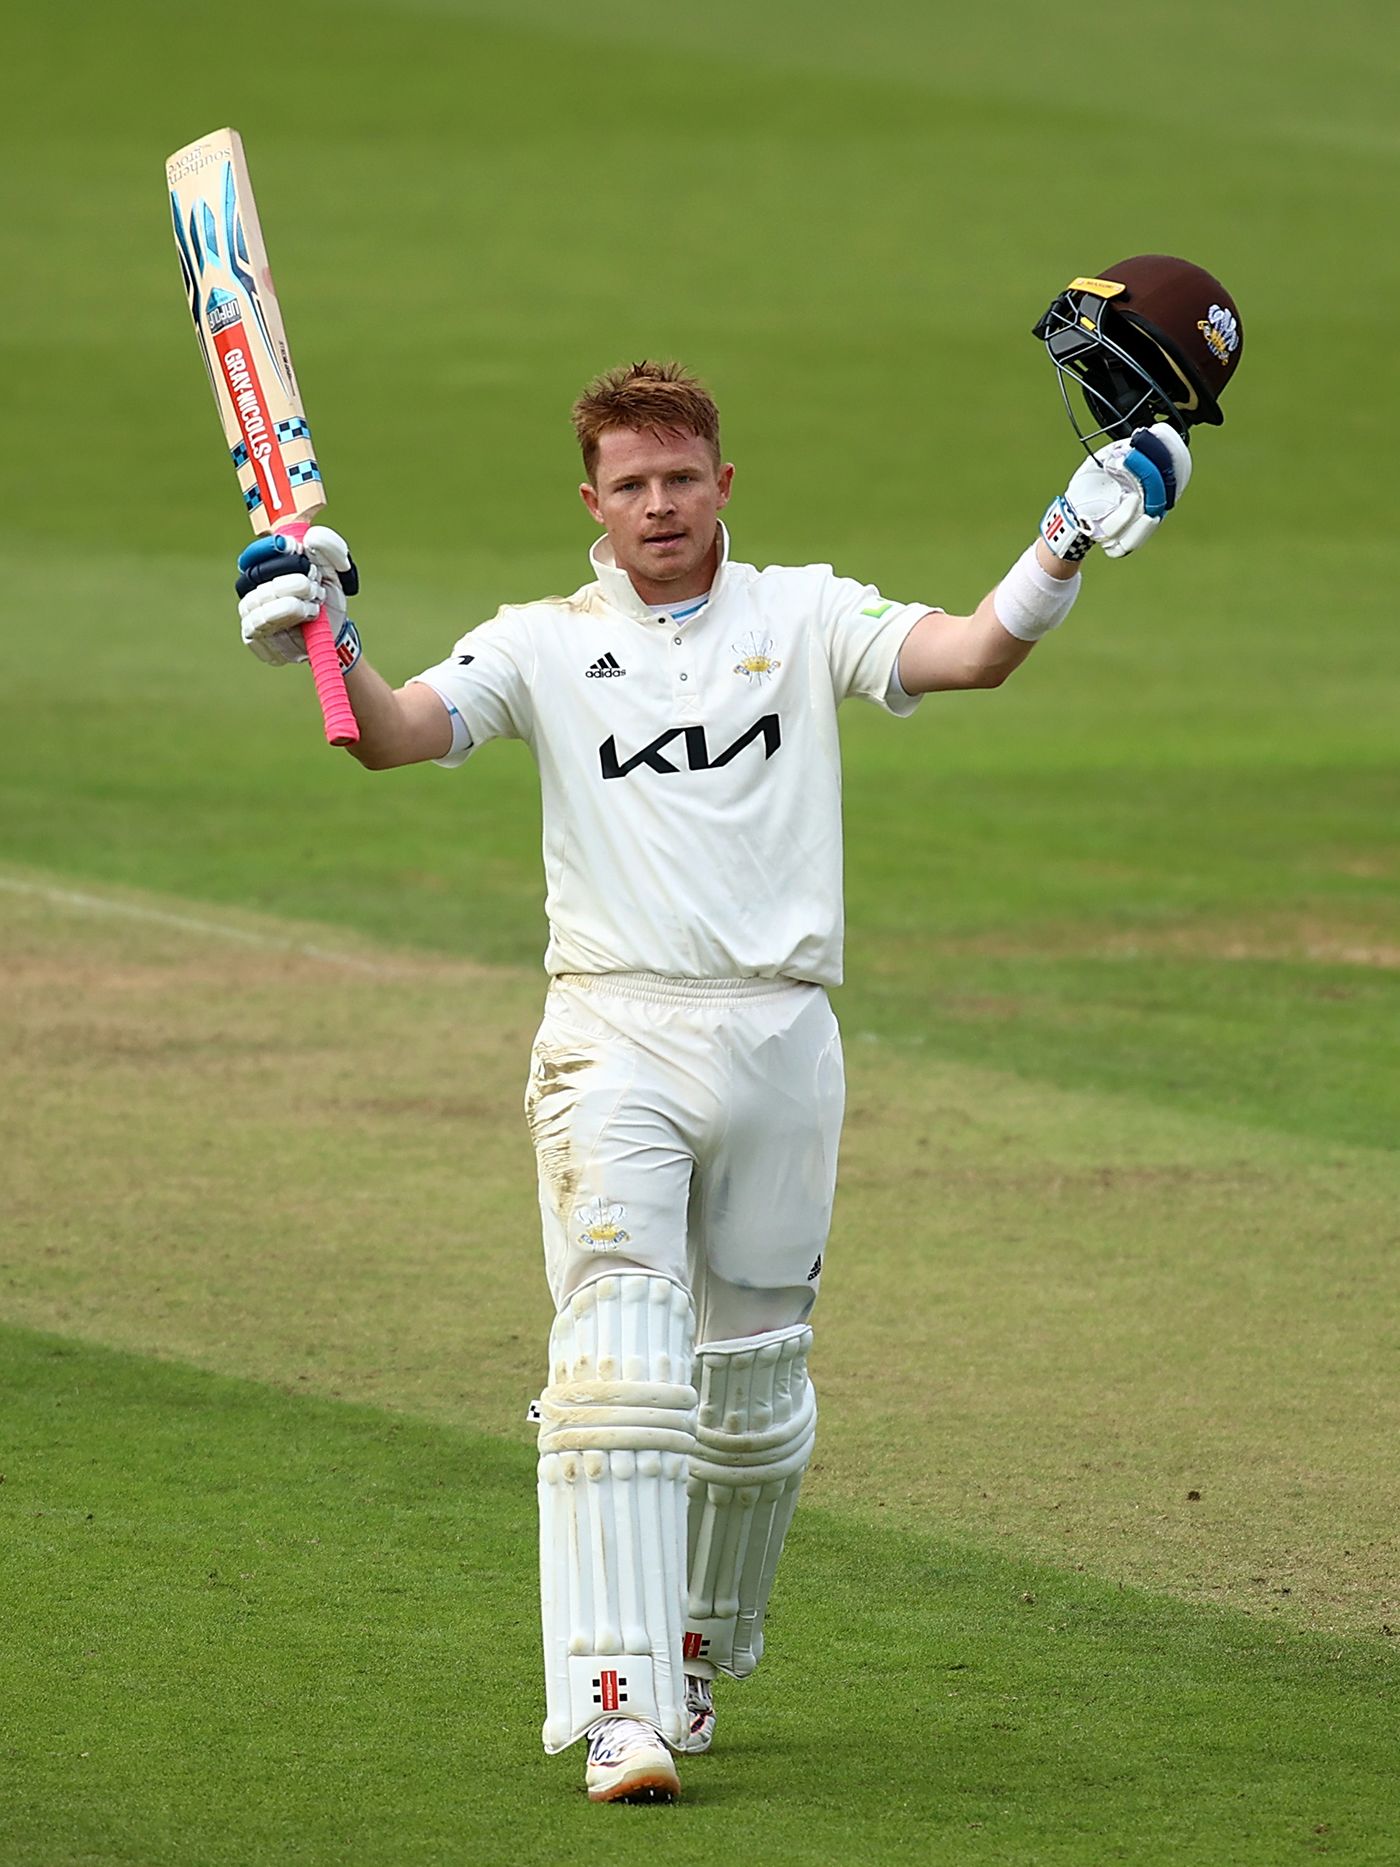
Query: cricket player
{"x": 685, "y": 1090}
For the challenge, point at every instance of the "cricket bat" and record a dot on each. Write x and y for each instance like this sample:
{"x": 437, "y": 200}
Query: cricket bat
{"x": 239, "y": 326}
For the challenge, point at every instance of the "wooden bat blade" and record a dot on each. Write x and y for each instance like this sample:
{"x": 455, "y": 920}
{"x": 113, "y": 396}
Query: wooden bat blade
{"x": 238, "y": 322}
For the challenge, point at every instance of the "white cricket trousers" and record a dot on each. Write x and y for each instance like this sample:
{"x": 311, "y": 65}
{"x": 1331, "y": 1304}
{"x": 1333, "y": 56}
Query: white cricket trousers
{"x": 689, "y": 1127}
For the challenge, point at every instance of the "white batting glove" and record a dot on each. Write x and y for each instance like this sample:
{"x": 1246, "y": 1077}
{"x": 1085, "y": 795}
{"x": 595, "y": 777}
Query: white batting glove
{"x": 1119, "y": 497}
{"x": 281, "y": 586}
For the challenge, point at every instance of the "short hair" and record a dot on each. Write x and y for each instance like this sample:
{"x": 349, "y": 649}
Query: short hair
{"x": 641, "y": 396}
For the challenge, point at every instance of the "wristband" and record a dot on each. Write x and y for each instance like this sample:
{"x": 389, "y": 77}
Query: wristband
{"x": 1029, "y": 602}
{"x": 347, "y": 646}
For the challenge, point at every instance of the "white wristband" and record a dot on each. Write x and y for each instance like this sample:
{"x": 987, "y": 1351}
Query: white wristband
{"x": 1029, "y": 602}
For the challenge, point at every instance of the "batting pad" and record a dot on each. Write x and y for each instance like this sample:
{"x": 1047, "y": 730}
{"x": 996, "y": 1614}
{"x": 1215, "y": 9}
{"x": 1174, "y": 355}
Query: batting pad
{"x": 617, "y": 1427}
{"x": 757, "y": 1423}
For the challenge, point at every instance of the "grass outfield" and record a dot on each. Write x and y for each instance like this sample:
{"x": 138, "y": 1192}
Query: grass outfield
{"x": 1117, "y": 1218}
{"x": 1096, "y": 1561}
{"x": 1049, "y": 1317}
{"x": 263, "y": 1628}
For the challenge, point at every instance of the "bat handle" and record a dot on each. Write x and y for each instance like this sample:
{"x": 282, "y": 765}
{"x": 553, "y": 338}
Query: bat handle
{"x": 342, "y": 729}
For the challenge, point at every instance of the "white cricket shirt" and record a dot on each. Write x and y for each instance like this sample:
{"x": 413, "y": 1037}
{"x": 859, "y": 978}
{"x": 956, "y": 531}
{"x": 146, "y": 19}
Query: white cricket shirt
{"x": 690, "y": 772}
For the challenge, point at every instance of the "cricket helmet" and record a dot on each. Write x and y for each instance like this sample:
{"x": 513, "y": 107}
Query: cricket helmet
{"x": 1150, "y": 339}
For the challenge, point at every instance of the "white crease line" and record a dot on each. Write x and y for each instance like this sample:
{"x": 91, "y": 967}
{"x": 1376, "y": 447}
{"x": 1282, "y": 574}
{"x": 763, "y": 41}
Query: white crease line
{"x": 190, "y": 923}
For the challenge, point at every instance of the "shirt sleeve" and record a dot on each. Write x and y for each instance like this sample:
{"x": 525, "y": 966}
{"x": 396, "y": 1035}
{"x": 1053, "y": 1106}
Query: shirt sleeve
{"x": 485, "y": 683}
{"x": 864, "y": 632}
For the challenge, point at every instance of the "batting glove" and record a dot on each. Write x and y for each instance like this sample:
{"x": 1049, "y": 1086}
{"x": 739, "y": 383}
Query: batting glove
{"x": 280, "y": 587}
{"x": 1119, "y": 497}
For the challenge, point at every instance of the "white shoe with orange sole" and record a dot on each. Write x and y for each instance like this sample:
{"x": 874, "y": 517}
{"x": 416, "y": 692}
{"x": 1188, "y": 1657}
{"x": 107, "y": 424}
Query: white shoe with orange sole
{"x": 627, "y": 1762}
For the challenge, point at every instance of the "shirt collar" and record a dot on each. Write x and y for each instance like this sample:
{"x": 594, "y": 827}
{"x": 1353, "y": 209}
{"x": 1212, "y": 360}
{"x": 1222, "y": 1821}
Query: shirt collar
{"x": 621, "y": 592}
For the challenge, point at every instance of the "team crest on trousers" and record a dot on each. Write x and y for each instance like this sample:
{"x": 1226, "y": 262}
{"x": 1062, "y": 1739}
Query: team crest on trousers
{"x": 756, "y": 661}
{"x": 602, "y": 1225}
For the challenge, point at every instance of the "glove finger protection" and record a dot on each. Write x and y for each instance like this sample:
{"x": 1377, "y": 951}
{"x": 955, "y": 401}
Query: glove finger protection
{"x": 321, "y": 551}
{"x": 289, "y": 600}
{"x": 278, "y": 649}
{"x": 275, "y": 639}
{"x": 270, "y": 619}
{"x": 1153, "y": 466}
{"x": 1162, "y": 461}
{"x": 265, "y": 560}
{"x": 1119, "y": 497}
{"x": 281, "y": 587}
{"x": 329, "y": 551}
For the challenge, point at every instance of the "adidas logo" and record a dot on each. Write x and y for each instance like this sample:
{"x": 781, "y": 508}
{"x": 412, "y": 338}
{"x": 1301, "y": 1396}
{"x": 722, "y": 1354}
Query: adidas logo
{"x": 605, "y": 668}
{"x": 816, "y": 1269}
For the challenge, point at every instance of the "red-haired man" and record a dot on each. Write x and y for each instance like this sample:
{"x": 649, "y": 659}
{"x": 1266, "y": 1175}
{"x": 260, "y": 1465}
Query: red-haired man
{"x": 686, "y": 1086}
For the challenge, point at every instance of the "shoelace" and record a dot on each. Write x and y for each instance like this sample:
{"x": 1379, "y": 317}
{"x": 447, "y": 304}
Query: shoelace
{"x": 615, "y": 1738}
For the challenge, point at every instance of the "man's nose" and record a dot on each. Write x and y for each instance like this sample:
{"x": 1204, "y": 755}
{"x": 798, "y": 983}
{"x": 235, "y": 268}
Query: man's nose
{"x": 659, "y": 499}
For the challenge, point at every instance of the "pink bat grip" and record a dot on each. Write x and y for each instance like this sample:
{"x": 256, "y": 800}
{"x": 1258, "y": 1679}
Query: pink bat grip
{"x": 342, "y": 728}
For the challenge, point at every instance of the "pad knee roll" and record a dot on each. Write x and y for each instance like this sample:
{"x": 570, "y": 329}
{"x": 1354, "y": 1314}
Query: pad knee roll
{"x": 617, "y": 1426}
{"x": 754, "y": 1436}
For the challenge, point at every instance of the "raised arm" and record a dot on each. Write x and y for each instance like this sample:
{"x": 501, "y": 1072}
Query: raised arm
{"x": 279, "y": 589}
{"x": 398, "y": 725}
{"x": 1117, "y": 499}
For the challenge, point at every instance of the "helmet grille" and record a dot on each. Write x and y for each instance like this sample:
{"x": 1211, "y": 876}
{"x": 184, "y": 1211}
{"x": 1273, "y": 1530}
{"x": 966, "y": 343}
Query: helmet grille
{"x": 1149, "y": 339}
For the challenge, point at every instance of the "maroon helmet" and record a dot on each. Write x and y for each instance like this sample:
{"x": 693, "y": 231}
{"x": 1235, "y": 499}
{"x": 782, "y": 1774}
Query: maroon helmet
{"x": 1150, "y": 339}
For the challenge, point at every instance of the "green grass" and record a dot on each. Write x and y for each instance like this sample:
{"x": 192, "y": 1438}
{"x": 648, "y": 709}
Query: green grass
{"x": 1117, "y": 1211}
{"x": 1049, "y": 1316}
{"x": 265, "y": 1628}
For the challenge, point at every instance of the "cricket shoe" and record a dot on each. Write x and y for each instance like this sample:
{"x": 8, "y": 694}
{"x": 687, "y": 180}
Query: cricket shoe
{"x": 627, "y": 1762}
{"x": 699, "y": 1715}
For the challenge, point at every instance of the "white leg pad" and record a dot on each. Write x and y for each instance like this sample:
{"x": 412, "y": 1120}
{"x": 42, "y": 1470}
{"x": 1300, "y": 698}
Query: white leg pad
{"x": 617, "y": 1427}
{"x": 757, "y": 1424}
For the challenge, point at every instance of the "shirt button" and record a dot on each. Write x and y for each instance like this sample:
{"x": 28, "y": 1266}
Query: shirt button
{"x": 685, "y": 677}
{"x": 677, "y": 640}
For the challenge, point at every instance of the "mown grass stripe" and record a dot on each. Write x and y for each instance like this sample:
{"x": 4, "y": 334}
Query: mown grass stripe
{"x": 84, "y": 901}
{"x": 260, "y": 1628}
